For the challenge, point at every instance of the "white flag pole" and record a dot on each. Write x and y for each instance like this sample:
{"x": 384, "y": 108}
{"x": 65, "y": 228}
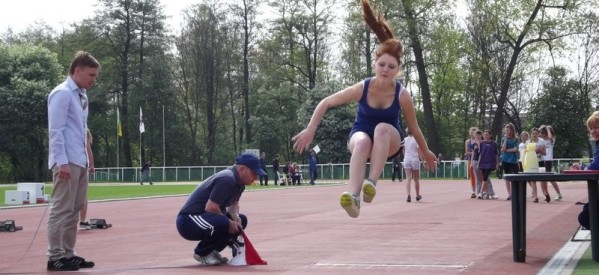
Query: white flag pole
{"x": 163, "y": 146}
{"x": 141, "y": 130}
{"x": 117, "y": 139}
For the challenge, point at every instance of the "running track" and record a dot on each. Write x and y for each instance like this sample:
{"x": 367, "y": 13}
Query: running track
{"x": 304, "y": 231}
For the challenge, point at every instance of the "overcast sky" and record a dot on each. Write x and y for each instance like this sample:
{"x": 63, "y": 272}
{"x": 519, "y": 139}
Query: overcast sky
{"x": 19, "y": 14}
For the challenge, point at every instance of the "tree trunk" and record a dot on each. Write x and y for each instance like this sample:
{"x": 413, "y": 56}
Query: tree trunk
{"x": 246, "y": 73}
{"x": 429, "y": 119}
{"x": 517, "y": 47}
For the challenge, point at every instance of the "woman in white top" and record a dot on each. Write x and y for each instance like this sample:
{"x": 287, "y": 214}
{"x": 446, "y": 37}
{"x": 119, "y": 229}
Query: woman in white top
{"x": 411, "y": 165}
{"x": 547, "y": 133}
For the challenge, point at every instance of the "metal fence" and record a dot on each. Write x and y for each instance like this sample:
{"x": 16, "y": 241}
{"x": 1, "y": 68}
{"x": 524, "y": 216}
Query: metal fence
{"x": 456, "y": 169}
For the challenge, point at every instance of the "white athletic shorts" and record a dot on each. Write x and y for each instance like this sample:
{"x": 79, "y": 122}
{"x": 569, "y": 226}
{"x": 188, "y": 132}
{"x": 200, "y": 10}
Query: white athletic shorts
{"x": 412, "y": 165}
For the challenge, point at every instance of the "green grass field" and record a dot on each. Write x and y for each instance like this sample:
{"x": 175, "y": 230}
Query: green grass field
{"x": 586, "y": 265}
{"x": 100, "y": 192}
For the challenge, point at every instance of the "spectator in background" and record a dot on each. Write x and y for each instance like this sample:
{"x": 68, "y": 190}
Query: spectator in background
{"x": 83, "y": 223}
{"x": 263, "y": 166}
{"x": 295, "y": 174}
{"x": 286, "y": 172}
{"x": 487, "y": 161}
{"x": 145, "y": 173}
{"x": 509, "y": 154}
{"x": 475, "y": 149}
{"x": 275, "y": 168}
{"x": 312, "y": 161}
{"x": 530, "y": 160}
{"x": 412, "y": 165}
{"x": 547, "y": 133}
{"x": 522, "y": 149}
{"x": 397, "y": 165}
{"x": 468, "y": 157}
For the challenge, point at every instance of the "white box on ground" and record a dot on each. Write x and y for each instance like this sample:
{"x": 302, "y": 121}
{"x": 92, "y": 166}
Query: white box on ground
{"x": 36, "y": 191}
{"x": 16, "y": 197}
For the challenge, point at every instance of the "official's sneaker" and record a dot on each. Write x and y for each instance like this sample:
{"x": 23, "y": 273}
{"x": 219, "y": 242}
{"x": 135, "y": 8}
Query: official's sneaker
{"x": 409, "y": 199}
{"x": 62, "y": 264}
{"x": 351, "y": 204}
{"x": 369, "y": 190}
{"x": 558, "y": 197}
{"x": 418, "y": 197}
{"x": 223, "y": 260}
{"x": 547, "y": 198}
{"x": 81, "y": 262}
{"x": 210, "y": 259}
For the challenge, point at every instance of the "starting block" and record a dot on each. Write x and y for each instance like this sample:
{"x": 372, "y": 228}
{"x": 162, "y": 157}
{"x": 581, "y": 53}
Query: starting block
{"x": 9, "y": 226}
{"x": 99, "y": 224}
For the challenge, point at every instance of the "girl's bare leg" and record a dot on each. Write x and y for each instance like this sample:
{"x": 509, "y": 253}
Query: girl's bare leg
{"x": 359, "y": 146}
{"x": 386, "y": 143}
{"x": 408, "y": 181}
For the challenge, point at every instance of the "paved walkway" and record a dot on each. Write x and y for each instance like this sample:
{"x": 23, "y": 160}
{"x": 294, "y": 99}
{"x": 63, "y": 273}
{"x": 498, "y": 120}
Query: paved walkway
{"x": 303, "y": 230}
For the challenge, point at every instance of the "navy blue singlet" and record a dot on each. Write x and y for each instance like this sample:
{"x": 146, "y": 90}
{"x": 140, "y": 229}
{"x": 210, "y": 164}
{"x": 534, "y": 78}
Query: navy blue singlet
{"x": 367, "y": 117}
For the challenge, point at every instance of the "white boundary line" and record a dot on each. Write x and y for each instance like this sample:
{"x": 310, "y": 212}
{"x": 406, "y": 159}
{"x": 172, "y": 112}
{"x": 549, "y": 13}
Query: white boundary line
{"x": 451, "y": 266}
{"x": 566, "y": 259}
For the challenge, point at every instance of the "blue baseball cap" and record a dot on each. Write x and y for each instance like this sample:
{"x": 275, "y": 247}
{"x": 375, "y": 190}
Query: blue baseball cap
{"x": 251, "y": 161}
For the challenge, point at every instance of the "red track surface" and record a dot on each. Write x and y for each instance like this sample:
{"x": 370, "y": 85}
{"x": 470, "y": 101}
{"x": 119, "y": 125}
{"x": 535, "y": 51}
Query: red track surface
{"x": 305, "y": 231}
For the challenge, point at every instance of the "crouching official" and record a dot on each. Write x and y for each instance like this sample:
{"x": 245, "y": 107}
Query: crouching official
{"x": 211, "y": 213}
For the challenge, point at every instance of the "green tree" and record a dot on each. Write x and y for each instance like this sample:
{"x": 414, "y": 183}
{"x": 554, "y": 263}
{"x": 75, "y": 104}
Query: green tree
{"x": 135, "y": 35}
{"x": 448, "y": 69}
{"x": 333, "y": 132}
{"x": 293, "y": 60}
{"x": 246, "y": 13}
{"x": 417, "y": 27}
{"x": 515, "y": 30}
{"x": 203, "y": 92}
{"x": 586, "y": 54}
{"x": 562, "y": 106}
{"x": 27, "y": 75}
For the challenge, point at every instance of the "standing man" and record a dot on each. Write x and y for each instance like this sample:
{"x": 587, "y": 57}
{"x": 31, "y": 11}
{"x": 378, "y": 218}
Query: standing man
{"x": 68, "y": 160}
{"x": 275, "y": 168}
{"x": 263, "y": 166}
{"x": 211, "y": 213}
{"x": 397, "y": 165}
{"x": 312, "y": 161}
{"x": 145, "y": 173}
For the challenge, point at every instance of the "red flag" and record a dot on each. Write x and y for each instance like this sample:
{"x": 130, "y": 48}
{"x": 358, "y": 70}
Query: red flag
{"x": 251, "y": 255}
{"x": 248, "y": 254}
